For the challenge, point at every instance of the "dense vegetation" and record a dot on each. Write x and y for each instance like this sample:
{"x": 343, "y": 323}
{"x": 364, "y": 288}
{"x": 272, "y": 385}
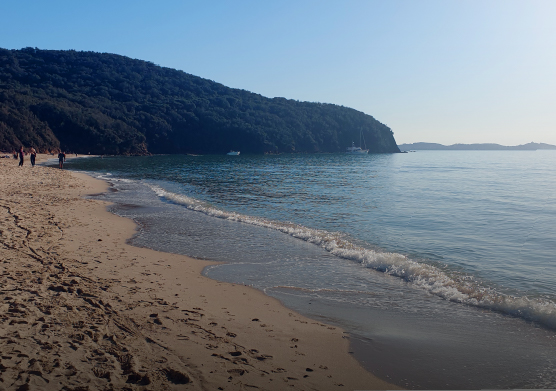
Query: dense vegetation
{"x": 110, "y": 104}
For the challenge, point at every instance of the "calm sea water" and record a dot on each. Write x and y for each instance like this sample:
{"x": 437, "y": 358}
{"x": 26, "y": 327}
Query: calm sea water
{"x": 441, "y": 265}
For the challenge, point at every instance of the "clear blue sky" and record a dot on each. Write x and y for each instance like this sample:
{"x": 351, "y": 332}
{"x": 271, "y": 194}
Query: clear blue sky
{"x": 433, "y": 70}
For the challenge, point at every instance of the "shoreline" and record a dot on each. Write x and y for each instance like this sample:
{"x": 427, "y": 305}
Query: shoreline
{"x": 113, "y": 314}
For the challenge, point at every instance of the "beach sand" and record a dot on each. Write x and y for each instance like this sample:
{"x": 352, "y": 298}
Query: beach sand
{"x": 80, "y": 309}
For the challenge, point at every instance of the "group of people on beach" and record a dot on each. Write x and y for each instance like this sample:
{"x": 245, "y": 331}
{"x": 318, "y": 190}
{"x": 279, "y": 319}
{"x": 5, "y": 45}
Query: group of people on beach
{"x": 21, "y": 154}
{"x": 33, "y": 155}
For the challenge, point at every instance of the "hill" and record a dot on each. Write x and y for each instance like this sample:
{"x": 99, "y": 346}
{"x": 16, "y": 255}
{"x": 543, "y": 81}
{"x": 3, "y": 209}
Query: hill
{"x": 109, "y": 104}
{"x": 474, "y": 147}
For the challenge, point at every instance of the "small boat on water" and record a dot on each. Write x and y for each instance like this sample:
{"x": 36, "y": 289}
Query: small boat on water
{"x": 233, "y": 153}
{"x": 358, "y": 150}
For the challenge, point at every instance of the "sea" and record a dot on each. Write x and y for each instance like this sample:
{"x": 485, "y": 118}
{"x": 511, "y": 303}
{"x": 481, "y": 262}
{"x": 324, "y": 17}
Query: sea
{"x": 439, "y": 265}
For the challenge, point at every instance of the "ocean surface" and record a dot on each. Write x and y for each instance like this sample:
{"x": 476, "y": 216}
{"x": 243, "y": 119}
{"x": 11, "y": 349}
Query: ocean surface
{"x": 440, "y": 265}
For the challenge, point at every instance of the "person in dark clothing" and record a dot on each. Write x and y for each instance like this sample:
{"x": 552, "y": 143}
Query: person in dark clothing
{"x": 61, "y": 159}
{"x": 21, "y": 155}
{"x": 33, "y": 156}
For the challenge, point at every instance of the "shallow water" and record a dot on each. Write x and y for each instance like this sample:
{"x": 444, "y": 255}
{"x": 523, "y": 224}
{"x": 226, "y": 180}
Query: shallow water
{"x": 439, "y": 264}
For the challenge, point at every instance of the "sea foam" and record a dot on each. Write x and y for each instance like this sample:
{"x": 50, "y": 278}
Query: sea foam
{"x": 456, "y": 287}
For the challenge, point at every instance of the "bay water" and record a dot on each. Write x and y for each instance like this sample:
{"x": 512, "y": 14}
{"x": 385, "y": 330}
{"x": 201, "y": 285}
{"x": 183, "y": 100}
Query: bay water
{"x": 440, "y": 265}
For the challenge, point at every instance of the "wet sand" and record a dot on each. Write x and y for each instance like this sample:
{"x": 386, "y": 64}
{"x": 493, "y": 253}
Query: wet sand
{"x": 82, "y": 309}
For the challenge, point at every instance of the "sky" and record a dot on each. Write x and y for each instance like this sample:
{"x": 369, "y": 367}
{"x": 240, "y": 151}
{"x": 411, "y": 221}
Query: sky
{"x": 444, "y": 71}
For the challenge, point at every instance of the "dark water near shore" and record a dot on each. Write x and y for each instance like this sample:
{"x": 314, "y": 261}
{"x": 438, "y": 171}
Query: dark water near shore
{"x": 440, "y": 265}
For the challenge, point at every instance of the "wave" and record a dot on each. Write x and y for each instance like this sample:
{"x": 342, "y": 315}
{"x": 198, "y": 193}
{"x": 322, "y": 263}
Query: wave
{"x": 455, "y": 287}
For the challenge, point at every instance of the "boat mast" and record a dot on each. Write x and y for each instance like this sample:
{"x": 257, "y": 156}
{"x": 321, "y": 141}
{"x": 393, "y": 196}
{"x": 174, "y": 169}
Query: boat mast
{"x": 361, "y": 135}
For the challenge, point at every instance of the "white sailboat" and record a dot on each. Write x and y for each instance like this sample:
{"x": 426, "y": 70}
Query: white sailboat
{"x": 358, "y": 150}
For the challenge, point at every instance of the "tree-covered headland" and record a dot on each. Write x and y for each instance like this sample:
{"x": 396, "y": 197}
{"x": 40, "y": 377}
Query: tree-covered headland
{"x": 109, "y": 104}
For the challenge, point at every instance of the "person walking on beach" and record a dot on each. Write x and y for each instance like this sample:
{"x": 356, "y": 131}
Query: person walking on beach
{"x": 33, "y": 156}
{"x": 21, "y": 155}
{"x": 61, "y": 159}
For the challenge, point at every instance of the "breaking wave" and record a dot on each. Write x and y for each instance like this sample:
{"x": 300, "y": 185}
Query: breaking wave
{"x": 454, "y": 287}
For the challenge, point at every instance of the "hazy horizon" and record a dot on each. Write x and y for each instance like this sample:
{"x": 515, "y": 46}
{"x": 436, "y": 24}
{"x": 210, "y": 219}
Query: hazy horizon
{"x": 449, "y": 71}
{"x": 447, "y": 145}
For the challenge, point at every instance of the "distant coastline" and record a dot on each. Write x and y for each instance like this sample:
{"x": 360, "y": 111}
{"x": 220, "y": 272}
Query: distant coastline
{"x": 473, "y": 147}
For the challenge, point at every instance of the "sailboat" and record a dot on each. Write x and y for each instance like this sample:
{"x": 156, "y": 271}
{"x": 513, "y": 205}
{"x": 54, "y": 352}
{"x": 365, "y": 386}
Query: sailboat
{"x": 357, "y": 150}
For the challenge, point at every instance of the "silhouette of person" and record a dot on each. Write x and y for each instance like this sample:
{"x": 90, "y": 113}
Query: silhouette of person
{"x": 21, "y": 156}
{"x": 61, "y": 159}
{"x": 33, "y": 156}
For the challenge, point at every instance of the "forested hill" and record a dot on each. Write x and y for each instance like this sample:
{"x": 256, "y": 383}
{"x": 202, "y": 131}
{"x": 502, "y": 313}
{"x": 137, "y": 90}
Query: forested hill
{"x": 110, "y": 104}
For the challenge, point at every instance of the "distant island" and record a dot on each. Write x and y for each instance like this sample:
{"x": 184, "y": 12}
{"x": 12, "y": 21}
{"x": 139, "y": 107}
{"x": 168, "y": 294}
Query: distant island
{"x": 109, "y": 104}
{"x": 473, "y": 147}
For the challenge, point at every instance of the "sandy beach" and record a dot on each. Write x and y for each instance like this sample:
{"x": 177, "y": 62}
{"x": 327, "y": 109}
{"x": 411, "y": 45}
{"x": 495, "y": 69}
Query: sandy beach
{"x": 80, "y": 309}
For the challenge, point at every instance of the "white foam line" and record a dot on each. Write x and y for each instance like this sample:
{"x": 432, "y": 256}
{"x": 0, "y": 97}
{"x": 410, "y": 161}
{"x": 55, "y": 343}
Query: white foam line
{"x": 458, "y": 288}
